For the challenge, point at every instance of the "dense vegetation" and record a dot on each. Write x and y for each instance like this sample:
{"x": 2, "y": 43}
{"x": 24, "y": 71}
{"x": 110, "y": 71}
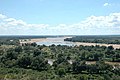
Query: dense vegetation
{"x": 35, "y": 62}
{"x": 9, "y": 41}
{"x": 96, "y": 39}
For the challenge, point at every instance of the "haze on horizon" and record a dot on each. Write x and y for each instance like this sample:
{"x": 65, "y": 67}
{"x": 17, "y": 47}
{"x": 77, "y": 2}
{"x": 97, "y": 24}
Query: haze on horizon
{"x": 59, "y": 17}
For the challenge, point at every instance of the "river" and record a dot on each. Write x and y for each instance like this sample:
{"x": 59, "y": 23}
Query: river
{"x": 60, "y": 41}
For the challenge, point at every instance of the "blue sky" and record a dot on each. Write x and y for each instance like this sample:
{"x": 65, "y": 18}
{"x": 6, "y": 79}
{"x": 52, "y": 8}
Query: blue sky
{"x": 59, "y": 17}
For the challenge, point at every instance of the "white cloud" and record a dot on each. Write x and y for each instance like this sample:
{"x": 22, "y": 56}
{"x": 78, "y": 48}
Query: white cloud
{"x": 2, "y": 16}
{"x": 106, "y": 4}
{"x": 92, "y": 25}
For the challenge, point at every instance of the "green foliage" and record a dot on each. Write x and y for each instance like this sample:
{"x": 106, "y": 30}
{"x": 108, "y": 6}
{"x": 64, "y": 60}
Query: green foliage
{"x": 39, "y": 63}
{"x": 79, "y": 66}
{"x": 18, "y": 49}
{"x": 33, "y": 44}
{"x": 24, "y": 62}
{"x": 30, "y": 62}
{"x": 61, "y": 72}
{"x": 37, "y": 52}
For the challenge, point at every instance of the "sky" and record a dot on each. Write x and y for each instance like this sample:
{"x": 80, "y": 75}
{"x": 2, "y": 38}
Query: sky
{"x": 59, "y": 17}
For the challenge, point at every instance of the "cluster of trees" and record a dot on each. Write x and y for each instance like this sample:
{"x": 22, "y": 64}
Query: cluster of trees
{"x": 19, "y": 57}
{"x": 31, "y": 62}
{"x": 96, "y": 39}
{"x": 88, "y": 53}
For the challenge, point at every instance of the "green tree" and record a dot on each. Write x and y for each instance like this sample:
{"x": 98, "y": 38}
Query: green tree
{"x": 11, "y": 55}
{"x": 24, "y": 62}
{"x": 79, "y": 66}
{"x": 37, "y": 52}
{"x": 33, "y": 44}
{"x": 39, "y": 63}
{"x": 18, "y": 49}
{"x": 61, "y": 72}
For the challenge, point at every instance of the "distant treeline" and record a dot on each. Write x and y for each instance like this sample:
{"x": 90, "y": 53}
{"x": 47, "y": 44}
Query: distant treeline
{"x": 96, "y": 39}
{"x": 22, "y": 37}
{"x": 30, "y": 36}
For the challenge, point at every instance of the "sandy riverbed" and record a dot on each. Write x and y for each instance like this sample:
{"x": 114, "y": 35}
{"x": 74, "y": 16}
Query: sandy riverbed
{"x": 42, "y": 39}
